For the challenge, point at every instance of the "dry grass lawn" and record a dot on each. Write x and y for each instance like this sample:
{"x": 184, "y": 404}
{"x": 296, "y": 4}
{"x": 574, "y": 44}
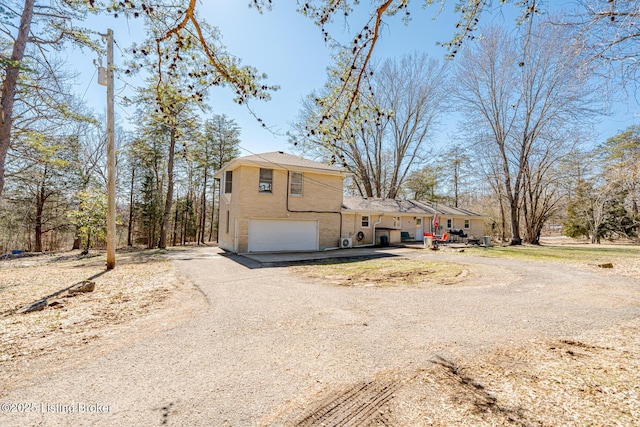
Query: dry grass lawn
{"x": 383, "y": 272}
{"x": 593, "y": 380}
{"x": 139, "y": 294}
{"x": 625, "y": 259}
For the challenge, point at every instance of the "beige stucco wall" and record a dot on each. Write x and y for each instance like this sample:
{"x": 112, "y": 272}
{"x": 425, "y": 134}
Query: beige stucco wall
{"x": 322, "y": 195}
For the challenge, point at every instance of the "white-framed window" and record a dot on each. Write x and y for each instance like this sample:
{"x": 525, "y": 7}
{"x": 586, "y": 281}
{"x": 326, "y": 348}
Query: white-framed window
{"x": 228, "y": 182}
{"x": 467, "y": 223}
{"x": 365, "y": 221}
{"x": 449, "y": 223}
{"x": 418, "y": 222}
{"x": 296, "y": 186}
{"x": 266, "y": 181}
{"x": 397, "y": 223}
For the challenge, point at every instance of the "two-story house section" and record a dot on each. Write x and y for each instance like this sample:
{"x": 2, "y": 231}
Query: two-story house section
{"x": 279, "y": 202}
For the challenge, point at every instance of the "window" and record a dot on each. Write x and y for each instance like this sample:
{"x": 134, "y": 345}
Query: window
{"x": 228, "y": 182}
{"x": 365, "y": 221}
{"x": 296, "y": 184}
{"x": 467, "y": 223}
{"x": 266, "y": 181}
{"x": 228, "y": 221}
{"x": 449, "y": 223}
{"x": 418, "y": 222}
{"x": 396, "y": 222}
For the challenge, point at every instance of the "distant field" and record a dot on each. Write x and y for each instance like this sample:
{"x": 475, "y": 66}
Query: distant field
{"x": 626, "y": 257}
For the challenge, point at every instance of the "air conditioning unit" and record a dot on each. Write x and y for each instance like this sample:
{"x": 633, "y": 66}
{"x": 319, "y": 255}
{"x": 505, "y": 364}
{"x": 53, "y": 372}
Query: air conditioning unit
{"x": 345, "y": 242}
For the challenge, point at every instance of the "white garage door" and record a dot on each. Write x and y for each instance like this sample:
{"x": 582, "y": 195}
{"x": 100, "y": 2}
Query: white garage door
{"x": 269, "y": 235}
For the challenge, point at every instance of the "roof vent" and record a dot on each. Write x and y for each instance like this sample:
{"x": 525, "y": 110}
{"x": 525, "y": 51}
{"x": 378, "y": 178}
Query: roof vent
{"x": 281, "y": 152}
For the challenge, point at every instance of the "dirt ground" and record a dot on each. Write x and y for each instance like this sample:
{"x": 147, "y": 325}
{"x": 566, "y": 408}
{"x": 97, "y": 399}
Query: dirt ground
{"x": 140, "y": 295}
{"x": 558, "y": 379}
{"x": 591, "y": 382}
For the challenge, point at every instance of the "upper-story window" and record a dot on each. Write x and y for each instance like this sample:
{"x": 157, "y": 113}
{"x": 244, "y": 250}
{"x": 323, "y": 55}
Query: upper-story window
{"x": 467, "y": 223}
{"x": 228, "y": 182}
{"x": 297, "y": 181}
{"x": 365, "y": 221}
{"x": 266, "y": 181}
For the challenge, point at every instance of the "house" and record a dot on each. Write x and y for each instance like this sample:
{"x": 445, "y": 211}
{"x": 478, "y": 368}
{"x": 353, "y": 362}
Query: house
{"x": 280, "y": 202}
{"x": 366, "y": 219}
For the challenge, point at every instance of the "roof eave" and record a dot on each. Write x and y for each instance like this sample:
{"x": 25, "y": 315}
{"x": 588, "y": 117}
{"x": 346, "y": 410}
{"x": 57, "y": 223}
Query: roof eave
{"x": 237, "y": 162}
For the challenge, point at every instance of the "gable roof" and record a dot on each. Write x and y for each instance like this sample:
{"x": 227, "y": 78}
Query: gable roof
{"x": 393, "y": 206}
{"x": 282, "y": 160}
{"x": 362, "y": 204}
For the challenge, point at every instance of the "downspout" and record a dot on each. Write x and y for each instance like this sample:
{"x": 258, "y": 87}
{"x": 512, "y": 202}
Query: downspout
{"x": 373, "y": 237}
{"x": 374, "y": 229}
{"x": 289, "y": 210}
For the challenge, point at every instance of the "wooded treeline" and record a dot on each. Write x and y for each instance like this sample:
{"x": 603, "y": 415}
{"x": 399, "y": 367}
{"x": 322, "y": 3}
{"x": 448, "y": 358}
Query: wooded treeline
{"x": 523, "y": 153}
{"x": 55, "y": 192}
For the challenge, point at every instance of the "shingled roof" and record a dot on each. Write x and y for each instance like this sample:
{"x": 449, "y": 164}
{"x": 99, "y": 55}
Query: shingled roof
{"x": 282, "y": 160}
{"x": 393, "y": 206}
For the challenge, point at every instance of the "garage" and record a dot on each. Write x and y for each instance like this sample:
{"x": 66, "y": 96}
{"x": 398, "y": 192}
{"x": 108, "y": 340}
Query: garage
{"x": 270, "y": 235}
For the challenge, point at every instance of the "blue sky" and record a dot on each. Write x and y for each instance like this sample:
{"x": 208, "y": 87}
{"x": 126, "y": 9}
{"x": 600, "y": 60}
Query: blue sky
{"x": 289, "y": 48}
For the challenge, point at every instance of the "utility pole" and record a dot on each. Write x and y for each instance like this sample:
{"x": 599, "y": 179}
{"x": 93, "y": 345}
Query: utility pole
{"x": 111, "y": 160}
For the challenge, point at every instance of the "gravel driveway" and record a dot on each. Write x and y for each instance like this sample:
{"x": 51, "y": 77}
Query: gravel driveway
{"x": 269, "y": 344}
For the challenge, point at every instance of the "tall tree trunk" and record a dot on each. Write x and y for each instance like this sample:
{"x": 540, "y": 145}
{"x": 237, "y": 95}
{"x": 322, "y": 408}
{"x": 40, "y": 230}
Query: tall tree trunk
{"x": 10, "y": 83}
{"x": 130, "y": 228}
{"x": 503, "y": 220}
{"x": 213, "y": 209}
{"x": 198, "y": 211}
{"x": 185, "y": 217}
{"x": 167, "y": 205}
{"x": 38, "y": 228}
{"x": 204, "y": 208}
{"x": 456, "y": 177}
{"x": 151, "y": 243}
{"x": 515, "y": 223}
{"x": 175, "y": 226}
{"x": 40, "y": 200}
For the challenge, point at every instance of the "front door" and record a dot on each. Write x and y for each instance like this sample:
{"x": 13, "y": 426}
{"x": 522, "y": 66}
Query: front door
{"x": 419, "y": 229}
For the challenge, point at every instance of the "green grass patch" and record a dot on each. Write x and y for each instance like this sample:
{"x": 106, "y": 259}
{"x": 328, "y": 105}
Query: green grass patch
{"x": 382, "y": 272}
{"x": 592, "y": 254}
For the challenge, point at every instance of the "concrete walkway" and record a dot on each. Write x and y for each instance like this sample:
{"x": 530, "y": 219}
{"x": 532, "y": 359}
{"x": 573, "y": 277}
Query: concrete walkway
{"x": 270, "y": 341}
{"x": 294, "y": 257}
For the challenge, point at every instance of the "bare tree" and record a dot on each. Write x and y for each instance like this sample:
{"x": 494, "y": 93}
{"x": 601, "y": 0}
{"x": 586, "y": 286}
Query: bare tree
{"x": 610, "y": 32}
{"x": 524, "y": 98}
{"x": 387, "y": 134}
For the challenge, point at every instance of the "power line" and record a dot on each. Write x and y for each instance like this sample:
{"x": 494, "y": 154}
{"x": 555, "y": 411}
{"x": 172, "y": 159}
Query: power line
{"x": 89, "y": 85}
{"x": 288, "y": 169}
